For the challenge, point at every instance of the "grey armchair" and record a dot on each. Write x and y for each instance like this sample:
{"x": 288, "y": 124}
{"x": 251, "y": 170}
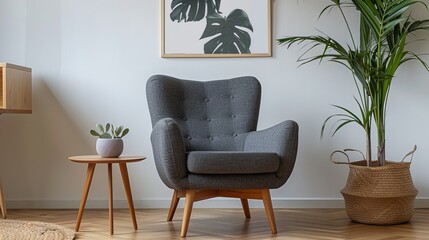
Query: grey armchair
{"x": 205, "y": 142}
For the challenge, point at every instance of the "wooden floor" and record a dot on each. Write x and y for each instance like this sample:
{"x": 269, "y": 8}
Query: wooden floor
{"x": 229, "y": 224}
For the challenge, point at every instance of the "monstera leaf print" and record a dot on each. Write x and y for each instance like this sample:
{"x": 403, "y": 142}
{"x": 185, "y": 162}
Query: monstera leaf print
{"x": 193, "y": 10}
{"x": 228, "y": 33}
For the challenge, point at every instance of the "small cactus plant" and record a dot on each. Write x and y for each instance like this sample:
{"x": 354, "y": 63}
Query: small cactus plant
{"x": 109, "y": 131}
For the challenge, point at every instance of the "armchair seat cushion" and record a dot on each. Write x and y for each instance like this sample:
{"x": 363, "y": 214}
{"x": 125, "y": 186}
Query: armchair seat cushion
{"x": 232, "y": 162}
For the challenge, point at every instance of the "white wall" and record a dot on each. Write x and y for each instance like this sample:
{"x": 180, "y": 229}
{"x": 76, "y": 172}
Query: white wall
{"x": 91, "y": 60}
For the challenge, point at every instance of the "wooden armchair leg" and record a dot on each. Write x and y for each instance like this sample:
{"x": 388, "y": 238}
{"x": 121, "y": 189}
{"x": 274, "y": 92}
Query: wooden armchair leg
{"x": 174, "y": 201}
{"x": 245, "y": 204}
{"x": 266, "y": 197}
{"x": 189, "y": 201}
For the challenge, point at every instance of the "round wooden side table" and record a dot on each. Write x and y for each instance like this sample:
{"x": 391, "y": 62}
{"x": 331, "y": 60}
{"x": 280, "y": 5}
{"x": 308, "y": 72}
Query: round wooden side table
{"x": 92, "y": 160}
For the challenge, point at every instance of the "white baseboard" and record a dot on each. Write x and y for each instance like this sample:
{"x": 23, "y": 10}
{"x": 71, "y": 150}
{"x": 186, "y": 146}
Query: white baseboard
{"x": 212, "y": 203}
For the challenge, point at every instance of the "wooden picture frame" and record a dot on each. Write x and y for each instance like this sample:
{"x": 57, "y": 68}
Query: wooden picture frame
{"x": 219, "y": 28}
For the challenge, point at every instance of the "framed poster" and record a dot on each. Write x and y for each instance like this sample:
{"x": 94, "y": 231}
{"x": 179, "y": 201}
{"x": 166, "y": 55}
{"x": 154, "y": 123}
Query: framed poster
{"x": 216, "y": 28}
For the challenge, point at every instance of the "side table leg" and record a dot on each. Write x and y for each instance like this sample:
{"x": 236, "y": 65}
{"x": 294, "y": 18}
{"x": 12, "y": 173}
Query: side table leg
{"x": 109, "y": 166}
{"x": 126, "y": 180}
{"x": 89, "y": 174}
{"x": 2, "y": 203}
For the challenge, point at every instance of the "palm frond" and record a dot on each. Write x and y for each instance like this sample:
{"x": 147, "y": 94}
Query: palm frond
{"x": 384, "y": 29}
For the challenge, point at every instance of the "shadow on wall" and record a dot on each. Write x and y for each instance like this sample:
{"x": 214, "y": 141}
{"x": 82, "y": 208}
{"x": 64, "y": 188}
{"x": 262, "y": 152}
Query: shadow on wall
{"x": 34, "y": 148}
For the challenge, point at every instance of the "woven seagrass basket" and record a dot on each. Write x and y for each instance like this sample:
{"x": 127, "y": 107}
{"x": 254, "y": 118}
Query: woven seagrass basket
{"x": 379, "y": 195}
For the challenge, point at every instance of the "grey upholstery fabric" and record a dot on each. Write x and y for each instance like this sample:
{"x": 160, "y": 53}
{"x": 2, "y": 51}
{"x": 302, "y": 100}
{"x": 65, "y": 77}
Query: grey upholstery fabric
{"x": 232, "y": 162}
{"x": 222, "y": 115}
{"x": 212, "y": 115}
{"x": 170, "y": 153}
{"x": 281, "y": 139}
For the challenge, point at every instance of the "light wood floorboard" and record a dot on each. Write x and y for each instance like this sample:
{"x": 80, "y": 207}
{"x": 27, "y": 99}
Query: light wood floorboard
{"x": 229, "y": 224}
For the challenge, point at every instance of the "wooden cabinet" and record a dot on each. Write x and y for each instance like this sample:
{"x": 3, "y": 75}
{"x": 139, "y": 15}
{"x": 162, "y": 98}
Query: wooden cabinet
{"x": 15, "y": 89}
{"x": 15, "y": 97}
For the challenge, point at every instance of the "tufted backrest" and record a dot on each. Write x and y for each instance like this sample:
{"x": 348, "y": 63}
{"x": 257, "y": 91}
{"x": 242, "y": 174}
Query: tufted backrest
{"x": 213, "y": 115}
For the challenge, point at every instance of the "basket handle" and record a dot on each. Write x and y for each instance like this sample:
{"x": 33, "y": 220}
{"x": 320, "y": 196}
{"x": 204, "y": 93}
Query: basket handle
{"x": 339, "y": 151}
{"x": 344, "y": 152}
{"x": 354, "y": 150}
{"x": 410, "y": 153}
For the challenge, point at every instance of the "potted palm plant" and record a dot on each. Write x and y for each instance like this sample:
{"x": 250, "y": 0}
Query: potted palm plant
{"x": 377, "y": 191}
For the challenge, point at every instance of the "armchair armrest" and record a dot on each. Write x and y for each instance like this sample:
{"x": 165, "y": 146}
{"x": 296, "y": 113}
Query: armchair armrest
{"x": 281, "y": 139}
{"x": 169, "y": 153}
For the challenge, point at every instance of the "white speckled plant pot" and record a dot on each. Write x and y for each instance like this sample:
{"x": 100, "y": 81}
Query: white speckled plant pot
{"x": 109, "y": 148}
